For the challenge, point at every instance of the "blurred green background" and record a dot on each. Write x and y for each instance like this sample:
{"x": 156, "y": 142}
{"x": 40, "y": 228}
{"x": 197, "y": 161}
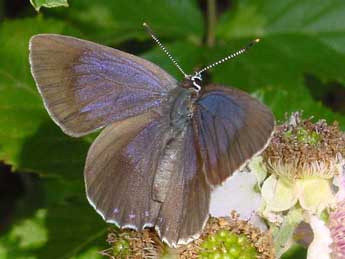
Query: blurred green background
{"x": 298, "y": 65}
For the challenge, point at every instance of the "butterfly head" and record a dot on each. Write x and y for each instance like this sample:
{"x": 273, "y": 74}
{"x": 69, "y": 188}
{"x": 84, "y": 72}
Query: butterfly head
{"x": 193, "y": 82}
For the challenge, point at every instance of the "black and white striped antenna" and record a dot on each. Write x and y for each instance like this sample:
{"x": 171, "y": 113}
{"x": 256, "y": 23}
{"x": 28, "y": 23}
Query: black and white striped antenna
{"x": 154, "y": 37}
{"x": 197, "y": 75}
{"x": 231, "y": 56}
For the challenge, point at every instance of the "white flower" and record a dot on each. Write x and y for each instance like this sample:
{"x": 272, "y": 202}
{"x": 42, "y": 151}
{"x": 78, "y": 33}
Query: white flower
{"x": 237, "y": 193}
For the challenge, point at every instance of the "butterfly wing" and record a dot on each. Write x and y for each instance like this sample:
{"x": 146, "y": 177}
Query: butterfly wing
{"x": 185, "y": 210}
{"x": 144, "y": 171}
{"x": 232, "y": 126}
{"x": 86, "y": 86}
{"x": 120, "y": 168}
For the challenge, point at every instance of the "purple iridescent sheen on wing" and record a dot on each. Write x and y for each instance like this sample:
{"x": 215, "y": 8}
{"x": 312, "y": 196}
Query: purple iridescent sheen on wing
{"x": 232, "y": 126}
{"x": 86, "y": 86}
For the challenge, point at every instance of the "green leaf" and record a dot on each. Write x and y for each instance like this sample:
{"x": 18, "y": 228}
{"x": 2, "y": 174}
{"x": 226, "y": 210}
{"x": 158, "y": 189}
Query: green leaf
{"x": 53, "y": 220}
{"x": 112, "y": 22}
{"x": 298, "y": 38}
{"x": 29, "y": 140}
{"x": 286, "y": 98}
{"x": 48, "y": 3}
{"x": 64, "y": 231}
{"x": 26, "y": 235}
{"x": 74, "y": 229}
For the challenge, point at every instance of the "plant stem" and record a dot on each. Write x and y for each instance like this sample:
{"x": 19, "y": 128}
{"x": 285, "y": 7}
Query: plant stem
{"x": 211, "y": 22}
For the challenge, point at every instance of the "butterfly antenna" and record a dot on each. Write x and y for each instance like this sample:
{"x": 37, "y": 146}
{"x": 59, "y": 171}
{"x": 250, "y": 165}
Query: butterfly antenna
{"x": 231, "y": 56}
{"x": 154, "y": 37}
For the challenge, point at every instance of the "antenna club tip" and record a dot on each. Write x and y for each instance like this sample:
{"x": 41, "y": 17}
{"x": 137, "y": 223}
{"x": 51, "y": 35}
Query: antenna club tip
{"x": 147, "y": 27}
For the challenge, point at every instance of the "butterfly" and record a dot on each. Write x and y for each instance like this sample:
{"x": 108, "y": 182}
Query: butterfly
{"x": 165, "y": 145}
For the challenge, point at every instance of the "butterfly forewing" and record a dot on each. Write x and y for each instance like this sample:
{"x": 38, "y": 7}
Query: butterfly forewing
{"x": 232, "y": 126}
{"x": 86, "y": 86}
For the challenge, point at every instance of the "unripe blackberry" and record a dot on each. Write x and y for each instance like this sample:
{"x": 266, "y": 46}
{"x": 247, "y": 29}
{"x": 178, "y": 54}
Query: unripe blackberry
{"x": 227, "y": 245}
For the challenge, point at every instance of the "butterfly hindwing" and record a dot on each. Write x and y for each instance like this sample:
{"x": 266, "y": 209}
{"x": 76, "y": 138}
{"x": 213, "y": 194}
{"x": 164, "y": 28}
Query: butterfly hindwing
{"x": 86, "y": 86}
{"x": 120, "y": 168}
{"x": 146, "y": 171}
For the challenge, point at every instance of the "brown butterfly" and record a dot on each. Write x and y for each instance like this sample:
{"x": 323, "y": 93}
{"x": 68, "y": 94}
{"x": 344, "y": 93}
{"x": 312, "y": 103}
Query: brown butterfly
{"x": 165, "y": 145}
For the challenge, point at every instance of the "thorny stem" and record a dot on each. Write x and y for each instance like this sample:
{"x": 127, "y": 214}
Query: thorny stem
{"x": 211, "y": 22}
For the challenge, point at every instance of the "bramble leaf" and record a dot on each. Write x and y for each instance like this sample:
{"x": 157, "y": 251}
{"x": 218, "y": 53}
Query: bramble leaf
{"x": 298, "y": 38}
{"x": 113, "y": 22}
{"x": 66, "y": 231}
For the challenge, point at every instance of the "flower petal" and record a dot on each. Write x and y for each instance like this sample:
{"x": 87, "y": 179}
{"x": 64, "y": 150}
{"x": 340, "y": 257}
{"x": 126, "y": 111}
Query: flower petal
{"x": 237, "y": 193}
{"x": 320, "y": 247}
{"x": 279, "y": 194}
{"x": 339, "y": 180}
{"x": 315, "y": 194}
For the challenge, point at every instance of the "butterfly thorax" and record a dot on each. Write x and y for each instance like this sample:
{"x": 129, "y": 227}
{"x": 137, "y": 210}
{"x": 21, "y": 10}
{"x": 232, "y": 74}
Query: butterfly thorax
{"x": 182, "y": 108}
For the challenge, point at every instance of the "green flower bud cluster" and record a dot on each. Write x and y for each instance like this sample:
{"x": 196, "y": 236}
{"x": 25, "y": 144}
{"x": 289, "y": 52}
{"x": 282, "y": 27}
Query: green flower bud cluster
{"x": 303, "y": 136}
{"x": 227, "y": 245}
